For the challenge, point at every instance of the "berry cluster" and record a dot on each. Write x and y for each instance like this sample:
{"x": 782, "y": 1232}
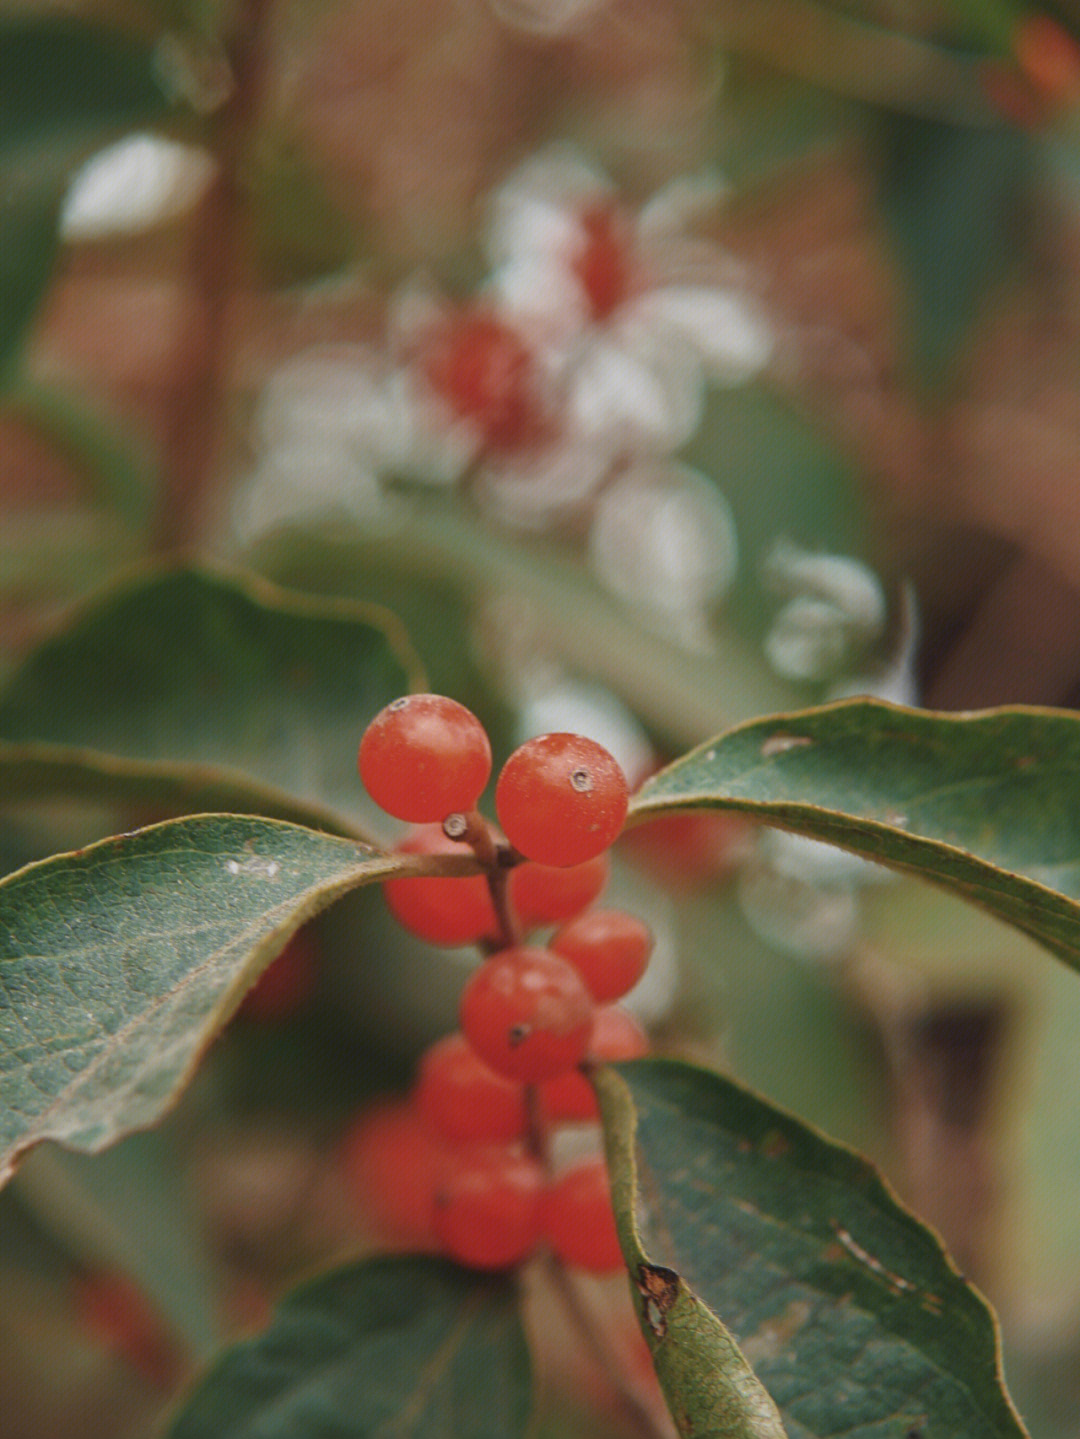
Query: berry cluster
{"x": 475, "y": 1137}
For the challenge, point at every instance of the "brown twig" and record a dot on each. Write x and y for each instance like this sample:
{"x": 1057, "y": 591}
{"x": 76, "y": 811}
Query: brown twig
{"x": 192, "y": 443}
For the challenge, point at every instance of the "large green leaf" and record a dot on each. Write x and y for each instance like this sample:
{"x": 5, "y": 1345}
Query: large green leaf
{"x": 119, "y": 963}
{"x": 848, "y": 1309}
{"x": 987, "y": 805}
{"x": 185, "y": 669}
{"x": 64, "y": 87}
{"x": 403, "y": 1347}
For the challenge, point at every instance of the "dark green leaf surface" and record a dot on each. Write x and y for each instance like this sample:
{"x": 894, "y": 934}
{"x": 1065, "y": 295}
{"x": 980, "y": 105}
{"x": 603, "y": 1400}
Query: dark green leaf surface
{"x": 119, "y": 963}
{"x": 64, "y": 87}
{"x": 987, "y": 805}
{"x": 847, "y": 1308}
{"x": 391, "y": 1347}
{"x": 190, "y": 668}
{"x": 951, "y": 199}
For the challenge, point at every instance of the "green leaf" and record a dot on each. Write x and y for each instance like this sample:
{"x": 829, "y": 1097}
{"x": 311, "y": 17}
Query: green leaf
{"x": 847, "y": 1307}
{"x": 64, "y": 87}
{"x": 987, "y": 805}
{"x": 951, "y": 199}
{"x": 402, "y": 1347}
{"x": 119, "y": 963}
{"x": 187, "y": 668}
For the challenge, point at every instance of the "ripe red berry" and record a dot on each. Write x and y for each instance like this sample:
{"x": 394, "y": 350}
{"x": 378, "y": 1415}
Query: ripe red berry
{"x": 448, "y": 911}
{"x": 685, "y": 851}
{"x": 608, "y": 948}
{"x": 287, "y": 983}
{"x": 527, "y": 1014}
{"x": 579, "y": 1222}
{"x": 390, "y": 1162}
{"x": 487, "y": 374}
{"x": 489, "y": 1206}
{"x": 561, "y": 799}
{"x": 121, "y": 1318}
{"x": 548, "y": 894}
{"x": 1048, "y": 56}
{"x": 465, "y": 1101}
{"x": 616, "y": 1034}
{"x": 424, "y": 757}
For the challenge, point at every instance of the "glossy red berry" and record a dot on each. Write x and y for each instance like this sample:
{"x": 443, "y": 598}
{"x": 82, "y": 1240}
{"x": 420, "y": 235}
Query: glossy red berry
{"x": 390, "y": 1162}
{"x": 486, "y": 373}
{"x": 579, "y": 1222}
{"x": 489, "y": 1206}
{"x": 548, "y": 894}
{"x": 464, "y": 1100}
{"x": 561, "y": 799}
{"x": 616, "y": 1034}
{"x": 441, "y": 910}
{"x": 527, "y": 1014}
{"x": 608, "y": 948}
{"x": 424, "y": 757}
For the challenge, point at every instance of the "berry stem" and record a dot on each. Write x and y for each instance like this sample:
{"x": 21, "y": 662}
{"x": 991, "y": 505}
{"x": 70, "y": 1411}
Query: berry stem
{"x": 648, "y": 1423}
{"x": 498, "y": 859}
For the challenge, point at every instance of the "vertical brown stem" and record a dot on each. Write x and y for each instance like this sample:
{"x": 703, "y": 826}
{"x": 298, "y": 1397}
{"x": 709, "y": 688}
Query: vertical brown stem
{"x": 192, "y": 443}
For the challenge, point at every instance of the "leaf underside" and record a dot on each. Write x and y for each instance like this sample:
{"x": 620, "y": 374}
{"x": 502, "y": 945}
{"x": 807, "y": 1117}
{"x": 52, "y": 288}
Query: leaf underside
{"x": 847, "y": 1308}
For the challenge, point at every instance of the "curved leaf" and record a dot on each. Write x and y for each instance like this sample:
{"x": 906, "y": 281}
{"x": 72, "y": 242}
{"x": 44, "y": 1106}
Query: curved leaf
{"x": 64, "y": 85}
{"x": 987, "y": 805}
{"x": 189, "y": 667}
{"x": 119, "y": 963}
{"x": 847, "y": 1307}
{"x": 403, "y": 1347}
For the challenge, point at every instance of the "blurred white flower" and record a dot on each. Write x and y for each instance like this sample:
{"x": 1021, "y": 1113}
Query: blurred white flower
{"x": 631, "y": 314}
{"x": 835, "y": 609}
{"x": 138, "y": 182}
{"x": 328, "y": 426}
{"x": 663, "y": 539}
{"x": 580, "y": 707}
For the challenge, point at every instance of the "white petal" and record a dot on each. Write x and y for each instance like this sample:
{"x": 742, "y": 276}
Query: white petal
{"x": 532, "y": 491}
{"x": 809, "y": 640}
{"x": 845, "y": 582}
{"x": 663, "y": 538}
{"x": 642, "y": 393}
{"x": 137, "y": 183}
{"x": 730, "y": 337}
{"x": 683, "y": 202}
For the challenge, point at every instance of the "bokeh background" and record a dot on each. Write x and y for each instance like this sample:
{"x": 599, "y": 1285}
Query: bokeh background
{"x": 657, "y": 364}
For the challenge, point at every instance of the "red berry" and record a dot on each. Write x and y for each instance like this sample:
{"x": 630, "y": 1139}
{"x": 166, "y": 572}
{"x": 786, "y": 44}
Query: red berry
{"x": 616, "y": 1035}
{"x": 527, "y": 1014}
{"x": 287, "y": 983}
{"x": 487, "y": 374}
{"x": 603, "y": 264}
{"x": 608, "y": 948}
{"x": 463, "y": 1100}
{"x": 489, "y": 1206}
{"x": 1049, "y": 57}
{"x": 121, "y": 1318}
{"x": 441, "y": 910}
{"x": 579, "y": 1222}
{"x": 561, "y": 799}
{"x": 391, "y": 1162}
{"x": 684, "y": 851}
{"x": 549, "y": 894}
{"x": 424, "y": 757}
